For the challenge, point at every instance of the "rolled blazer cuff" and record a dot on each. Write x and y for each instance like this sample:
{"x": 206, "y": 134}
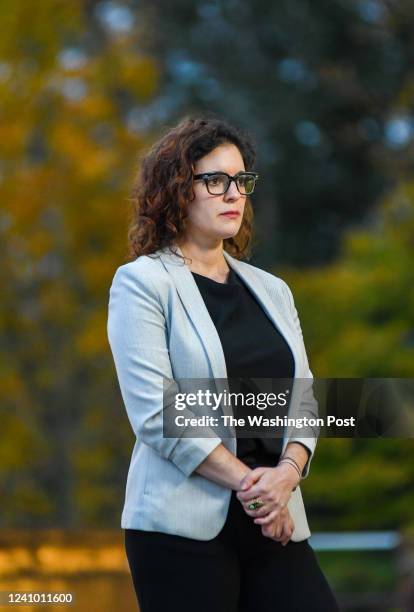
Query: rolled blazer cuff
{"x": 190, "y": 452}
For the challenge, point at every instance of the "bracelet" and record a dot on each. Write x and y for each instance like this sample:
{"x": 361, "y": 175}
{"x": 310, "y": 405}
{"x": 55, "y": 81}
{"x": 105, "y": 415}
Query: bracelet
{"x": 287, "y": 460}
{"x": 295, "y": 462}
{"x": 292, "y": 463}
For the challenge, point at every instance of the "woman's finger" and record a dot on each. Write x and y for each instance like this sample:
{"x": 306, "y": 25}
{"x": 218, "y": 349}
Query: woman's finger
{"x": 268, "y": 531}
{"x": 268, "y": 519}
{"x": 289, "y": 528}
{"x": 278, "y": 530}
{"x": 255, "y": 491}
{"x": 276, "y": 510}
{"x": 266, "y": 489}
{"x": 250, "y": 479}
{"x": 286, "y": 533}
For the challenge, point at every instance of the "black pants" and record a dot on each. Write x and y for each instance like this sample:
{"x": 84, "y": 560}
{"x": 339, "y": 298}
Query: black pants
{"x": 239, "y": 570}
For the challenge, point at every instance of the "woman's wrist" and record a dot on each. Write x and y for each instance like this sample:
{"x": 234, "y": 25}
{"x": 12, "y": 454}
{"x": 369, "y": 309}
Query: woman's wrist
{"x": 290, "y": 471}
{"x": 224, "y": 468}
{"x": 244, "y": 472}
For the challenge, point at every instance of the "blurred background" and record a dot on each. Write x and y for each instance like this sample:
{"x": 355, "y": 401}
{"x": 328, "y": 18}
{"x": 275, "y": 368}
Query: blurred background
{"x": 326, "y": 89}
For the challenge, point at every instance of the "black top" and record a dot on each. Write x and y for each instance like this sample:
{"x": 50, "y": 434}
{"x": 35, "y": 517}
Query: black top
{"x": 252, "y": 346}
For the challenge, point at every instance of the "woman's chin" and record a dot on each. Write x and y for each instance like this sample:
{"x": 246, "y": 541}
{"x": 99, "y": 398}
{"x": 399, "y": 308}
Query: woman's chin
{"x": 227, "y": 235}
{"x": 229, "y": 232}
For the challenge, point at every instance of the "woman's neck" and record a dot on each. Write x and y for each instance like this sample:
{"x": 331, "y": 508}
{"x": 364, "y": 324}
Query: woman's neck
{"x": 207, "y": 261}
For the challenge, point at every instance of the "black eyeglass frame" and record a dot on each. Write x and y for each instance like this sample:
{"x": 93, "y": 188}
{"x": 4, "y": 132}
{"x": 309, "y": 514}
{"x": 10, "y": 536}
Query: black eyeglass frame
{"x": 205, "y": 176}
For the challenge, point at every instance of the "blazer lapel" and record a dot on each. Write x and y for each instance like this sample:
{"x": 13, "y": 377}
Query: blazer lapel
{"x": 196, "y": 309}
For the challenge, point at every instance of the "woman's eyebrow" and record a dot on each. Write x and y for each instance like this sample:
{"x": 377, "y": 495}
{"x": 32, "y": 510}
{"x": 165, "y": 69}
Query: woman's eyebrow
{"x": 222, "y": 172}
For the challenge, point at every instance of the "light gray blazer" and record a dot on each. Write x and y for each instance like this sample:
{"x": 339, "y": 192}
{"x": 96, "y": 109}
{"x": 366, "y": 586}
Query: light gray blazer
{"x": 159, "y": 328}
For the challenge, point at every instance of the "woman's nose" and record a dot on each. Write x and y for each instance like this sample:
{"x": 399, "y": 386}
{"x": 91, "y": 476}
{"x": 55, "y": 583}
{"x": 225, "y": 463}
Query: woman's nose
{"x": 232, "y": 192}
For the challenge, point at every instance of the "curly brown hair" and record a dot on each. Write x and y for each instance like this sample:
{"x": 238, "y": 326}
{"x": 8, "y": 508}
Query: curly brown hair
{"x": 163, "y": 187}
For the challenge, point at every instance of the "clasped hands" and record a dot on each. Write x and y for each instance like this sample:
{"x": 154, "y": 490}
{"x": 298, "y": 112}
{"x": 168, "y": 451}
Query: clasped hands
{"x": 273, "y": 486}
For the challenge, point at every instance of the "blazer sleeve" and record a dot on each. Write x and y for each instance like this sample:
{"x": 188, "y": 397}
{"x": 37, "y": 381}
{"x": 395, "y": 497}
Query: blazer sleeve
{"x": 308, "y": 406}
{"x": 137, "y": 334}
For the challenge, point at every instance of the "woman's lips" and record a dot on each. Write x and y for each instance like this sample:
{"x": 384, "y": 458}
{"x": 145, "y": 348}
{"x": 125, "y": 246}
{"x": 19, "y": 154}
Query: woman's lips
{"x": 232, "y": 214}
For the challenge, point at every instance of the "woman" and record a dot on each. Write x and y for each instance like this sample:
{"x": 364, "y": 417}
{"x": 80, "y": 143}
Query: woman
{"x": 210, "y": 524}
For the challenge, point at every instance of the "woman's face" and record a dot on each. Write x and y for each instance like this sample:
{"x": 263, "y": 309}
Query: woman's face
{"x": 206, "y": 222}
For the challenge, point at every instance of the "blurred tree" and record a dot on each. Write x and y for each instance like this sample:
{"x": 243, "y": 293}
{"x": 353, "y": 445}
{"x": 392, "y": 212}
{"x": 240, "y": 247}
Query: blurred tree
{"x": 71, "y": 76}
{"x": 316, "y": 83}
{"x": 357, "y": 316}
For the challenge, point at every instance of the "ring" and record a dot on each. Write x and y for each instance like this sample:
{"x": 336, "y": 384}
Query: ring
{"x": 255, "y": 503}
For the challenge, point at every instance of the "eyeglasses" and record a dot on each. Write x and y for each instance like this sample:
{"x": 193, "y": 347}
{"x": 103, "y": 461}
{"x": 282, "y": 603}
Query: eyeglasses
{"x": 217, "y": 183}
